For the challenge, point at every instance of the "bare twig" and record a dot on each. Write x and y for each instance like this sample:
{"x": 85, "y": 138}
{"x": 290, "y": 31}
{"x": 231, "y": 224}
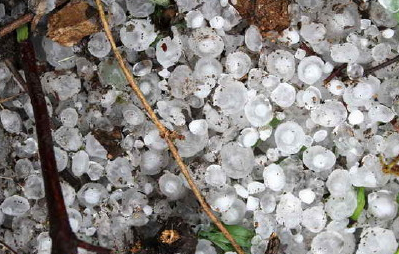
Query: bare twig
{"x": 307, "y": 49}
{"x": 381, "y": 66}
{"x": 166, "y": 134}
{"x": 336, "y": 73}
{"x": 16, "y": 74}
{"x": 11, "y": 98}
{"x": 7, "y": 247}
{"x": 15, "y": 24}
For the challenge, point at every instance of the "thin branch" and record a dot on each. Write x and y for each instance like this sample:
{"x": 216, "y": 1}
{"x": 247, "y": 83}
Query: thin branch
{"x": 307, "y": 49}
{"x": 16, "y": 74}
{"x": 7, "y": 247}
{"x": 166, "y": 134}
{"x": 15, "y": 24}
{"x": 381, "y": 66}
{"x": 336, "y": 73}
{"x": 11, "y": 98}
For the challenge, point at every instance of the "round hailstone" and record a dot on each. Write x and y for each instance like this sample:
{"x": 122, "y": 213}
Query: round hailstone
{"x": 354, "y": 71}
{"x": 99, "y": 45}
{"x": 381, "y": 51}
{"x": 194, "y": 19}
{"x": 310, "y": 97}
{"x": 289, "y": 211}
{"x": 313, "y": 33}
{"x": 215, "y": 176}
{"x": 310, "y": 69}
{"x": 361, "y": 94}
{"x": 377, "y": 240}
{"x": 192, "y": 144}
{"x": 151, "y": 162}
{"x": 238, "y": 64}
{"x": 290, "y": 36}
{"x": 198, "y": 127}
{"x": 328, "y": 242}
{"x": 381, "y": 113}
{"x": 268, "y": 203}
{"x": 314, "y": 219}
{"x": 356, "y": 117}
{"x": 339, "y": 208}
{"x": 68, "y": 138}
{"x": 181, "y": 82}
{"x": 154, "y": 141}
{"x": 235, "y": 214}
{"x": 92, "y": 194}
{"x": 217, "y": 22}
{"x": 382, "y": 205}
{"x": 80, "y": 163}
{"x": 205, "y": 42}
{"x": 274, "y": 177}
{"x": 344, "y": 53}
{"x": 248, "y": 137}
{"x": 66, "y": 86}
{"x": 142, "y": 68}
{"x": 171, "y": 186}
{"x": 318, "y": 158}
{"x": 253, "y": 38}
{"x": 140, "y": 8}
{"x": 117, "y": 15}
{"x": 95, "y": 171}
{"x": 237, "y": 161}
{"x": 289, "y": 137}
{"x": 283, "y": 95}
{"x": 329, "y": 114}
{"x": 138, "y": 34}
{"x": 69, "y": 117}
{"x": 34, "y": 187}
{"x": 222, "y": 199}
{"x": 133, "y": 115}
{"x": 119, "y": 172}
{"x": 15, "y": 206}
{"x": 168, "y": 52}
{"x": 336, "y": 87}
{"x": 11, "y": 121}
{"x": 24, "y": 167}
{"x": 149, "y": 87}
{"x": 281, "y": 63}
{"x": 258, "y": 111}
{"x": 320, "y": 135}
{"x": 207, "y": 67}
{"x": 307, "y": 196}
{"x": 230, "y": 97}
{"x": 339, "y": 183}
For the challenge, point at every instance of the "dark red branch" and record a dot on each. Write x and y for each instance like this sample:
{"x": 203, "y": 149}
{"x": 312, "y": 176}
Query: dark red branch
{"x": 381, "y": 66}
{"x": 64, "y": 241}
{"x": 7, "y": 247}
{"x": 335, "y": 73}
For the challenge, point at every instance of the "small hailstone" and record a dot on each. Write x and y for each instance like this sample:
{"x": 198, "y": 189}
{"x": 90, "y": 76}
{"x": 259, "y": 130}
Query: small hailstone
{"x": 310, "y": 69}
{"x": 34, "y": 187}
{"x": 171, "y": 186}
{"x": 339, "y": 183}
{"x": 344, "y": 53}
{"x": 253, "y": 38}
{"x": 356, "y": 117}
{"x": 133, "y": 115}
{"x": 274, "y": 177}
{"x": 222, "y": 199}
{"x": 255, "y": 187}
{"x": 329, "y": 114}
{"x": 215, "y": 175}
{"x": 58, "y": 56}
{"x": 119, "y": 172}
{"x": 207, "y": 67}
{"x": 217, "y": 22}
{"x": 168, "y": 52}
{"x": 377, "y": 240}
{"x": 339, "y": 208}
{"x": 309, "y": 98}
{"x": 66, "y": 86}
{"x": 241, "y": 191}
{"x": 80, "y": 163}
{"x": 69, "y": 117}
{"x": 336, "y": 87}
{"x": 142, "y": 68}
{"x": 43, "y": 243}
{"x": 355, "y": 71}
{"x": 151, "y": 162}
{"x": 75, "y": 219}
{"x": 281, "y": 63}
{"x": 230, "y": 97}
{"x": 147, "y": 210}
{"x": 314, "y": 219}
{"x": 181, "y": 82}
{"x": 300, "y": 54}
{"x": 11, "y": 121}
{"x": 265, "y": 132}
{"x": 388, "y": 33}
{"x": 94, "y": 147}
{"x": 289, "y": 137}
{"x": 205, "y": 42}
{"x": 95, "y": 171}
{"x": 273, "y": 154}
{"x": 283, "y": 95}
{"x": 381, "y": 113}
{"x": 362, "y": 93}
{"x": 140, "y": 8}
{"x": 237, "y": 161}
{"x": 164, "y": 73}
{"x": 252, "y": 203}
{"x": 99, "y": 45}
{"x": 268, "y": 203}
{"x": 248, "y": 137}
{"x": 289, "y": 211}
{"x": 313, "y": 32}
{"x": 117, "y": 14}
{"x": 224, "y": 3}
{"x": 318, "y": 158}
{"x": 307, "y": 196}
{"x": 290, "y": 36}
{"x": 235, "y": 214}
{"x": 198, "y": 127}
{"x": 68, "y": 138}
{"x": 382, "y": 205}
{"x": 194, "y": 19}
{"x": 328, "y": 67}
{"x": 15, "y": 206}
{"x": 328, "y": 242}
{"x": 258, "y": 111}
{"x": 365, "y": 23}
{"x": 154, "y": 141}
{"x": 92, "y": 194}
{"x": 138, "y": 34}
{"x": 69, "y": 194}
{"x": 192, "y": 144}
{"x": 320, "y": 135}
{"x": 238, "y": 64}
{"x": 23, "y": 168}
{"x": 381, "y": 51}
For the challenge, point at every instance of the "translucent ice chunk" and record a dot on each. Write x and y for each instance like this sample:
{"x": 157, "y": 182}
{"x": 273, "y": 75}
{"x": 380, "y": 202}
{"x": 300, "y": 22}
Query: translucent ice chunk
{"x": 237, "y": 161}
{"x": 205, "y": 42}
{"x": 318, "y": 158}
{"x": 283, "y": 95}
{"x": 310, "y": 69}
{"x": 15, "y": 206}
{"x": 99, "y": 45}
{"x": 235, "y": 214}
{"x": 11, "y": 121}
{"x": 289, "y": 137}
{"x": 330, "y": 114}
{"x": 68, "y": 138}
{"x": 194, "y": 19}
{"x": 281, "y": 63}
{"x": 289, "y": 211}
{"x": 382, "y": 205}
{"x": 344, "y": 53}
{"x": 258, "y": 111}
{"x": 377, "y": 240}
{"x": 80, "y": 163}
{"x": 172, "y": 186}
{"x": 230, "y": 97}
{"x": 142, "y": 68}
{"x": 238, "y": 64}
{"x": 339, "y": 208}
{"x": 119, "y": 172}
{"x": 140, "y": 8}
{"x": 168, "y": 51}
{"x": 92, "y": 194}
{"x": 274, "y": 177}
{"x": 313, "y": 32}
{"x": 181, "y": 82}
{"x": 314, "y": 219}
{"x": 34, "y": 187}
{"x": 253, "y": 38}
{"x": 328, "y": 242}
{"x": 138, "y": 34}
{"x": 339, "y": 183}
{"x": 222, "y": 199}
{"x": 151, "y": 162}
{"x": 69, "y": 117}
{"x": 94, "y": 147}
{"x": 381, "y": 113}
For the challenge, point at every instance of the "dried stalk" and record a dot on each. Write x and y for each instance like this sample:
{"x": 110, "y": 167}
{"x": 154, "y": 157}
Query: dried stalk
{"x": 166, "y": 134}
{"x": 336, "y": 73}
{"x": 7, "y": 247}
{"x": 381, "y": 66}
{"x": 15, "y": 24}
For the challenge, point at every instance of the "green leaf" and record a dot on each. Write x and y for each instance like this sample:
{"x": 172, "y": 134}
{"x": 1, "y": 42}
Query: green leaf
{"x": 236, "y": 230}
{"x": 397, "y": 252}
{"x": 361, "y": 202}
{"x": 274, "y": 123}
{"x": 22, "y": 33}
{"x": 161, "y": 2}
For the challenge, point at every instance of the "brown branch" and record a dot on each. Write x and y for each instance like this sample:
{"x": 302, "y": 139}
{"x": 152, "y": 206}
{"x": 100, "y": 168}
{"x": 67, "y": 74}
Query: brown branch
{"x": 307, "y": 49}
{"x": 7, "y": 247}
{"x": 15, "y": 24}
{"x": 335, "y": 73}
{"x": 62, "y": 236}
{"x": 381, "y": 66}
{"x": 11, "y": 98}
{"x": 16, "y": 74}
{"x": 166, "y": 134}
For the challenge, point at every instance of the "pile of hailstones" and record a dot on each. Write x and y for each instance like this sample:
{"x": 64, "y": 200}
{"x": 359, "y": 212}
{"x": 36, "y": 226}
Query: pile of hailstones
{"x": 269, "y": 145}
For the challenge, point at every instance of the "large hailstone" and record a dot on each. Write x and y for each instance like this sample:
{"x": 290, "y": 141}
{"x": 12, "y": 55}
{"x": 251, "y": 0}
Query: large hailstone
{"x": 168, "y": 51}
{"x": 171, "y": 186}
{"x": 235, "y": 214}
{"x": 284, "y": 95}
{"x": 281, "y": 63}
{"x": 99, "y": 45}
{"x": 138, "y": 34}
{"x": 119, "y": 172}
{"x": 207, "y": 67}
{"x": 313, "y": 32}
{"x": 205, "y": 42}
{"x": 339, "y": 183}
{"x": 328, "y": 242}
{"x": 318, "y": 158}
{"x": 274, "y": 177}
{"x": 181, "y": 82}
{"x": 221, "y": 199}
{"x": 329, "y": 114}
{"x": 314, "y": 219}
{"x": 258, "y": 111}
{"x": 237, "y": 161}
{"x": 377, "y": 240}
{"x": 15, "y": 206}
{"x": 381, "y": 113}
{"x": 339, "y": 208}
{"x": 238, "y": 64}
{"x": 253, "y": 38}
{"x": 230, "y": 97}
{"x": 344, "y": 53}
{"x": 289, "y": 137}
{"x": 382, "y": 205}
{"x": 310, "y": 69}
{"x": 289, "y": 211}
{"x": 361, "y": 94}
